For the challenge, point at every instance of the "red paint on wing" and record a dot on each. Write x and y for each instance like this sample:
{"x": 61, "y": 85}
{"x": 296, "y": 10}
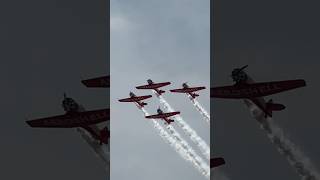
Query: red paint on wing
{"x": 102, "y": 82}
{"x": 72, "y": 120}
{"x": 256, "y": 89}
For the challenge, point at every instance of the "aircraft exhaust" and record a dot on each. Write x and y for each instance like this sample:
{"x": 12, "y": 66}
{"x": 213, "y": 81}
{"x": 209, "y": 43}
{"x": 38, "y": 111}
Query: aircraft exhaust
{"x": 101, "y": 150}
{"x": 300, "y": 162}
{"x": 202, "y": 111}
{"x": 174, "y": 139}
{"x": 218, "y": 175}
{"x": 201, "y": 144}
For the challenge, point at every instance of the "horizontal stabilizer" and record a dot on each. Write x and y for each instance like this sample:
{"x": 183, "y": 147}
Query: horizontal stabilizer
{"x": 274, "y": 106}
{"x": 215, "y": 162}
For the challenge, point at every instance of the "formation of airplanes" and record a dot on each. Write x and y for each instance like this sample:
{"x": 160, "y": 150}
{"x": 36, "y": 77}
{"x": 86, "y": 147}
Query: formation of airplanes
{"x": 244, "y": 88}
{"x": 156, "y": 87}
{"x": 77, "y": 117}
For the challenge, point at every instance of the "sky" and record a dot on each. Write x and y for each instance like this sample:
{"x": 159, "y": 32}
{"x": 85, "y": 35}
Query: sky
{"x": 47, "y": 48}
{"x": 165, "y": 41}
{"x": 279, "y": 41}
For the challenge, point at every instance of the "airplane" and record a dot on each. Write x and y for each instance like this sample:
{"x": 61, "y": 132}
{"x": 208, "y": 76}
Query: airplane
{"x": 246, "y": 88}
{"x": 188, "y": 90}
{"x": 154, "y": 86}
{"x": 99, "y": 82}
{"x": 76, "y": 117}
{"x": 164, "y": 116}
{"x": 136, "y": 99}
{"x": 215, "y": 162}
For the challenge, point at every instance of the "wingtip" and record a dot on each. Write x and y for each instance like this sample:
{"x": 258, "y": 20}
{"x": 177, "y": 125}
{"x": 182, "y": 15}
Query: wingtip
{"x": 29, "y": 123}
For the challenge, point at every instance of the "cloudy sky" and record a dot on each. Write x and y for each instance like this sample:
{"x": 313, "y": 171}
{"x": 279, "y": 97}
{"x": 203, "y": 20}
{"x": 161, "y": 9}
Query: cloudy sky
{"x": 165, "y": 41}
{"x": 279, "y": 40}
{"x": 46, "y": 48}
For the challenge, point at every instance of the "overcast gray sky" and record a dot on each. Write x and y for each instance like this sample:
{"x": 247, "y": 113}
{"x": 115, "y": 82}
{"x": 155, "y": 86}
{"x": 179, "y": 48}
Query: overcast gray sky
{"x": 46, "y": 48}
{"x": 165, "y": 41}
{"x": 279, "y": 40}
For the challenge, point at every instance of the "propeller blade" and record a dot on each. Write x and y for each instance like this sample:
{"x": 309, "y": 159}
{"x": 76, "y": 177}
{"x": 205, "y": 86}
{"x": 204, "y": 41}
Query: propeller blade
{"x": 237, "y": 71}
{"x": 243, "y": 67}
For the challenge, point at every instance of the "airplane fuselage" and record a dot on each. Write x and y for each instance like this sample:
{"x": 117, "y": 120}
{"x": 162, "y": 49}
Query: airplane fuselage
{"x": 258, "y": 101}
{"x": 71, "y": 106}
{"x": 140, "y": 103}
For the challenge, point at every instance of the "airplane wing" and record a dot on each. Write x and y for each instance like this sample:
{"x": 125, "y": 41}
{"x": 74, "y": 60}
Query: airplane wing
{"x": 153, "y": 86}
{"x": 187, "y": 90}
{"x": 97, "y": 82}
{"x": 72, "y": 120}
{"x": 135, "y": 99}
{"x": 215, "y": 162}
{"x": 256, "y": 89}
{"x": 161, "y": 116}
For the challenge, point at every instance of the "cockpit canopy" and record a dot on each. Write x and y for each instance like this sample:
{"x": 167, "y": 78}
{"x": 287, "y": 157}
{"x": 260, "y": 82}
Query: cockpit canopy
{"x": 185, "y": 85}
{"x": 132, "y": 94}
{"x": 238, "y": 75}
{"x": 69, "y": 105}
{"x": 150, "y": 81}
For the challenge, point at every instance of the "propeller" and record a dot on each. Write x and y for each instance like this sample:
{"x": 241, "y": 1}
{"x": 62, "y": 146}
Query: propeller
{"x": 238, "y": 70}
{"x": 243, "y": 67}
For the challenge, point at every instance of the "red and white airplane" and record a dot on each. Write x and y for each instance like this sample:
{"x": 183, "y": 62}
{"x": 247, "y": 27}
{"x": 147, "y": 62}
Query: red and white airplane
{"x": 188, "y": 90}
{"x": 154, "y": 86}
{"x": 99, "y": 82}
{"x": 215, "y": 162}
{"x": 74, "y": 117}
{"x": 136, "y": 99}
{"x": 164, "y": 116}
{"x": 246, "y": 88}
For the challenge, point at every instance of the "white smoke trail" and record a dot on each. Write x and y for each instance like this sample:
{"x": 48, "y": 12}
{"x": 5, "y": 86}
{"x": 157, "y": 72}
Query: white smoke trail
{"x": 198, "y": 106}
{"x": 218, "y": 175}
{"x": 174, "y": 139}
{"x": 202, "y": 145}
{"x": 295, "y": 157}
{"x": 101, "y": 150}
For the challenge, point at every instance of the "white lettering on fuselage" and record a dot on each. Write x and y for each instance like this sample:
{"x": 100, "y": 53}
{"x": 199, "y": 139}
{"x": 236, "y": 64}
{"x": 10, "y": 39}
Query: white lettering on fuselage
{"x": 250, "y": 91}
